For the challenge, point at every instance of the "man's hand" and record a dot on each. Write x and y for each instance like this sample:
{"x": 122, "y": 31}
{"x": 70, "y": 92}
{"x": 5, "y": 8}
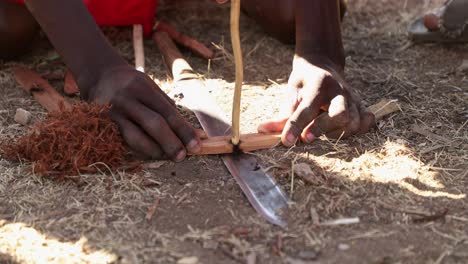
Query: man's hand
{"x": 148, "y": 120}
{"x": 315, "y": 88}
{"x": 147, "y": 117}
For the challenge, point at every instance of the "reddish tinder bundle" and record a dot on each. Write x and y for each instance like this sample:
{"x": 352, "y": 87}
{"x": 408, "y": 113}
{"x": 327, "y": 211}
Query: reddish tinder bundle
{"x": 70, "y": 142}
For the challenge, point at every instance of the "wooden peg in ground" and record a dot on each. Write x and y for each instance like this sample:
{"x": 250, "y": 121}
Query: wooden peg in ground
{"x": 184, "y": 40}
{"x": 40, "y": 89}
{"x": 182, "y": 71}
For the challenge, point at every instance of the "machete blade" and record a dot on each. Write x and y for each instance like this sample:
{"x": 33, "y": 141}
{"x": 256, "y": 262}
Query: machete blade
{"x": 261, "y": 190}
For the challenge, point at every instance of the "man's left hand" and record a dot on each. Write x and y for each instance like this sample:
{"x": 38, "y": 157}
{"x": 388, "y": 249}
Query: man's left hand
{"x": 319, "y": 103}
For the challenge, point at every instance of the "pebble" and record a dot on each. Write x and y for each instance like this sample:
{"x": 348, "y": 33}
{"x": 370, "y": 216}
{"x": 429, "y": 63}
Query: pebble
{"x": 210, "y": 244}
{"x": 343, "y": 247}
{"x": 188, "y": 260}
{"x": 308, "y": 254}
{"x": 463, "y": 66}
{"x": 22, "y": 117}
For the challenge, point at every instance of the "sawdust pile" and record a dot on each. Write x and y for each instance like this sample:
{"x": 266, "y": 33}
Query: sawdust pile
{"x": 67, "y": 143}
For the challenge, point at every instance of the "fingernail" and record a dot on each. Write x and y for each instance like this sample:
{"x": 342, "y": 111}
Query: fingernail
{"x": 291, "y": 139}
{"x": 194, "y": 146}
{"x": 181, "y": 155}
{"x": 310, "y": 137}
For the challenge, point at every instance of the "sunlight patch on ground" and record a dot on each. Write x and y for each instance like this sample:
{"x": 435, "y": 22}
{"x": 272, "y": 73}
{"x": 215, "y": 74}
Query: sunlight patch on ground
{"x": 393, "y": 163}
{"x": 27, "y": 245}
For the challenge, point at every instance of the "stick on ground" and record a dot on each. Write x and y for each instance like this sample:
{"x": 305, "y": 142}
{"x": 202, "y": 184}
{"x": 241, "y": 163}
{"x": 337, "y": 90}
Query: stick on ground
{"x": 42, "y": 91}
{"x": 184, "y": 40}
{"x": 138, "y": 48}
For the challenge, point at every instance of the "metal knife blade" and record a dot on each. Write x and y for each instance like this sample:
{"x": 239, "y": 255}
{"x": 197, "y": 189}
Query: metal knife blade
{"x": 260, "y": 188}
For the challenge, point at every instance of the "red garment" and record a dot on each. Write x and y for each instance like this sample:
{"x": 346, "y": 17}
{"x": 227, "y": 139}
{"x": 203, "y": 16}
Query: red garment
{"x": 121, "y": 12}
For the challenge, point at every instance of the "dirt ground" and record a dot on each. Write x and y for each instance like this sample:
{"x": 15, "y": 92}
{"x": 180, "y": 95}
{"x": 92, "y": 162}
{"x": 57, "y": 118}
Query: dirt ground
{"x": 394, "y": 179}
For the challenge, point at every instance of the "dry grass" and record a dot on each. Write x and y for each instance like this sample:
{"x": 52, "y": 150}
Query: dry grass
{"x": 389, "y": 178}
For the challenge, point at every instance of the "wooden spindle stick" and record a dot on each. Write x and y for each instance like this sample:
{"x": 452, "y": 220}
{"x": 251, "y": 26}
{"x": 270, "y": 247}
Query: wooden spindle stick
{"x": 236, "y": 47}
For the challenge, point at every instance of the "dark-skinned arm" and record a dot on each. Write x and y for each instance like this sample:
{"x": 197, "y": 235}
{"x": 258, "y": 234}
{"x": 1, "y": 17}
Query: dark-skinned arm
{"x": 316, "y": 83}
{"x": 148, "y": 120}
{"x": 75, "y": 35}
{"x": 319, "y": 33}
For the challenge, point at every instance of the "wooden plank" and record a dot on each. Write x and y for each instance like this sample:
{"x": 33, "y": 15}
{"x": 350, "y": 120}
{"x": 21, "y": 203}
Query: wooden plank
{"x": 259, "y": 141}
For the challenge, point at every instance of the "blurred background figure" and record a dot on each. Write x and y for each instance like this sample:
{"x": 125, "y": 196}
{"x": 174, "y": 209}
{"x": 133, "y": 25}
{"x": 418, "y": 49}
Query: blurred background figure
{"x": 447, "y": 24}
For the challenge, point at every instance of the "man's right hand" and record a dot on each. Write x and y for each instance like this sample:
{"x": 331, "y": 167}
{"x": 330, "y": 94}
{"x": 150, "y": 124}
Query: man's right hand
{"x": 146, "y": 116}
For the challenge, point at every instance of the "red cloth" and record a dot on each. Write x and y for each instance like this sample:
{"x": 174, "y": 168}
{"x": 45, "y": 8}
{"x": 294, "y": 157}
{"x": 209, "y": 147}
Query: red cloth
{"x": 121, "y": 12}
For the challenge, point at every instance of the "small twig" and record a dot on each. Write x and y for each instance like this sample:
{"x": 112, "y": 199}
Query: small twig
{"x": 406, "y": 211}
{"x": 429, "y": 134}
{"x": 182, "y": 198}
{"x": 449, "y": 251}
{"x": 152, "y": 209}
{"x": 293, "y": 162}
{"x": 341, "y": 221}
{"x": 314, "y": 216}
{"x": 431, "y": 218}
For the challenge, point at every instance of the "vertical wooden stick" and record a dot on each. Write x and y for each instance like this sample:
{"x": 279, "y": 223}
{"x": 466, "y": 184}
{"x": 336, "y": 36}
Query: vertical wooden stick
{"x": 138, "y": 47}
{"x": 236, "y": 46}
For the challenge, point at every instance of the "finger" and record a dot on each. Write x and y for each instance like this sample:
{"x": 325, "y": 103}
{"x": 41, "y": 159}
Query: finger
{"x": 352, "y": 128}
{"x": 304, "y": 114}
{"x": 272, "y": 126}
{"x": 160, "y": 91}
{"x": 157, "y": 128}
{"x": 201, "y": 133}
{"x": 336, "y": 118}
{"x": 338, "y": 110}
{"x": 367, "y": 120}
{"x": 138, "y": 141}
{"x": 177, "y": 123}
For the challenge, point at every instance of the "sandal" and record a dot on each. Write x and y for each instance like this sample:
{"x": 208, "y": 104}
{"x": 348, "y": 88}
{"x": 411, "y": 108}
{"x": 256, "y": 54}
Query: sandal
{"x": 448, "y": 24}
